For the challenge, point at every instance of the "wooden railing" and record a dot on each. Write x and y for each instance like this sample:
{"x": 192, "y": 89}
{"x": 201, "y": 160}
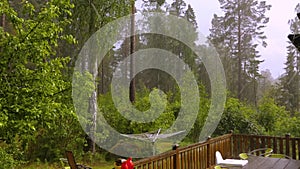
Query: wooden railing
{"x": 281, "y": 145}
{"x": 202, "y": 155}
{"x": 195, "y": 156}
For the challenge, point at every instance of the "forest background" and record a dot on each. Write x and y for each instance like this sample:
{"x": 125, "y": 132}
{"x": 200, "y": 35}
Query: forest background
{"x": 39, "y": 44}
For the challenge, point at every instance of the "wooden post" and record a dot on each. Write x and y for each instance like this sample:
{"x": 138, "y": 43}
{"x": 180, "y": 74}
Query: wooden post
{"x": 287, "y": 144}
{"x": 281, "y": 145}
{"x": 176, "y": 157}
{"x": 293, "y": 148}
{"x": 208, "y": 152}
{"x": 298, "y": 145}
{"x": 231, "y": 144}
{"x": 274, "y": 145}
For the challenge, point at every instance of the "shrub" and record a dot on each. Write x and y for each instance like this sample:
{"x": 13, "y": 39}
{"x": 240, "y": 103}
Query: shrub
{"x": 6, "y": 160}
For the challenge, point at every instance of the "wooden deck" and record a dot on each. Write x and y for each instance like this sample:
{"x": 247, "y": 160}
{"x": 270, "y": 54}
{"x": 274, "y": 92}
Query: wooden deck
{"x": 267, "y": 163}
{"x": 202, "y": 155}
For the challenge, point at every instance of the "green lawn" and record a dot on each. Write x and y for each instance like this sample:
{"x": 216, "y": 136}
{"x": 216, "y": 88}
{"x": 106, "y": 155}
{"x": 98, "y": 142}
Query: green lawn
{"x": 104, "y": 165}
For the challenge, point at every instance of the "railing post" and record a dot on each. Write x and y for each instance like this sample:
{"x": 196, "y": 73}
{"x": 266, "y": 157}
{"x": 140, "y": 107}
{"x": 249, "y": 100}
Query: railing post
{"x": 287, "y": 144}
{"x": 176, "y": 156}
{"x": 208, "y": 152}
{"x": 232, "y": 139}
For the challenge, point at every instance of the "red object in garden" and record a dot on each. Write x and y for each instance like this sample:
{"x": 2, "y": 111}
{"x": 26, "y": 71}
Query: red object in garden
{"x": 130, "y": 163}
{"x": 124, "y": 165}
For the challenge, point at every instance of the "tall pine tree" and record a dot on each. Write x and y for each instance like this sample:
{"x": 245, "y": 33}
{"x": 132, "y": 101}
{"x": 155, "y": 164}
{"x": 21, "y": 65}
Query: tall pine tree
{"x": 236, "y": 35}
{"x": 289, "y": 82}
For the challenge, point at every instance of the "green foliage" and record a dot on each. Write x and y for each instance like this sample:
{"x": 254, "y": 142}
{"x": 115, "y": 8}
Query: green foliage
{"x": 142, "y": 103}
{"x": 269, "y": 113}
{"x": 6, "y": 159}
{"x": 204, "y": 106}
{"x": 82, "y": 88}
{"x": 37, "y": 116}
{"x": 287, "y": 125}
{"x": 237, "y": 118}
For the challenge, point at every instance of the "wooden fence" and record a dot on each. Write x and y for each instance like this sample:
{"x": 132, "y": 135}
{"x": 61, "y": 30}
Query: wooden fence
{"x": 281, "y": 145}
{"x": 195, "y": 156}
{"x": 202, "y": 155}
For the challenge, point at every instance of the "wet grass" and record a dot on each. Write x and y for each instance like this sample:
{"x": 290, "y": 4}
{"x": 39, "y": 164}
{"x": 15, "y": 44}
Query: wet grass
{"x": 102, "y": 165}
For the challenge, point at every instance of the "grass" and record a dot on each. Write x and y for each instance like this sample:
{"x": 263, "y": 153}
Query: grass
{"x": 97, "y": 162}
{"x": 102, "y": 165}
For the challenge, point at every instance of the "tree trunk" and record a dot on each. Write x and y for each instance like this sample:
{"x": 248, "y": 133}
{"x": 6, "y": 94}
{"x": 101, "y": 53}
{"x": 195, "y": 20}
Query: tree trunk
{"x": 3, "y": 22}
{"x": 93, "y": 69}
{"x": 239, "y": 55}
{"x": 132, "y": 50}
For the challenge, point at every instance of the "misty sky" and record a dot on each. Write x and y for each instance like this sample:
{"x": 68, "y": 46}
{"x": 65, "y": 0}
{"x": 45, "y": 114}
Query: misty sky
{"x": 277, "y": 29}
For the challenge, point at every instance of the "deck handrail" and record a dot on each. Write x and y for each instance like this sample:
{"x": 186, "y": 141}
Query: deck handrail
{"x": 198, "y": 155}
{"x": 202, "y": 155}
{"x": 287, "y": 145}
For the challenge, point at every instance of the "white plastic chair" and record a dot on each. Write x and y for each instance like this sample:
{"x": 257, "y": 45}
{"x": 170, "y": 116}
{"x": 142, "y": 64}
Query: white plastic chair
{"x": 229, "y": 162}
